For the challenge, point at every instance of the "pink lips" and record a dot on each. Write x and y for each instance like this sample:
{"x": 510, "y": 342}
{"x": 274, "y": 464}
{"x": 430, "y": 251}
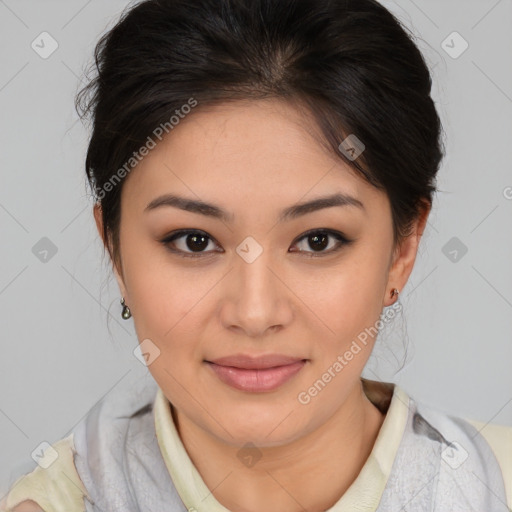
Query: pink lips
{"x": 256, "y": 374}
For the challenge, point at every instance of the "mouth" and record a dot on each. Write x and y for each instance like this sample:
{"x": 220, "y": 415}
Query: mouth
{"x": 256, "y": 374}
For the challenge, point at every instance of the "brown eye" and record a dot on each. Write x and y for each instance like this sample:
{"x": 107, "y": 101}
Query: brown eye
{"x": 188, "y": 243}
{"x": 196, "y": 242}
{"x": 319, "y": 240}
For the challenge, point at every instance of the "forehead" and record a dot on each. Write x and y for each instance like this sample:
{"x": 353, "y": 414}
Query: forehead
{"x": 265, "y": 150}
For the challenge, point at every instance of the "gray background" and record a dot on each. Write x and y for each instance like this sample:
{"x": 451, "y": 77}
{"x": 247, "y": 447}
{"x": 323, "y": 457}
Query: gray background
{"x": 59, "y": 357}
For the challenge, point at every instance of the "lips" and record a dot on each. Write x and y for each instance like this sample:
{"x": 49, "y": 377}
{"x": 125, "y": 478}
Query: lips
{"x": 256, "y": 374}
{"x": 263, "y": 362}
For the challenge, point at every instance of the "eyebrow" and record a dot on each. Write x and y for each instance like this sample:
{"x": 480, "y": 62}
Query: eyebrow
{"x": 290, "y": 213}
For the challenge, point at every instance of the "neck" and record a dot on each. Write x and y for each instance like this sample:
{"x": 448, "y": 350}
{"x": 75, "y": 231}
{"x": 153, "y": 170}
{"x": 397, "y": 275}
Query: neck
{"x": 286, "y": 475}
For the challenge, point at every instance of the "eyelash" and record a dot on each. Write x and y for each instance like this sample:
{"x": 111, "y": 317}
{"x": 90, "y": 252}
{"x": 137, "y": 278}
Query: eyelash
{"x": 342, "y": 242}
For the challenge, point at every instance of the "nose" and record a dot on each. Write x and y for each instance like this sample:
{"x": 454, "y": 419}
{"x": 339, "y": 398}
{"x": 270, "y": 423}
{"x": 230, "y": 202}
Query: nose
{"x": 257, "y": 301}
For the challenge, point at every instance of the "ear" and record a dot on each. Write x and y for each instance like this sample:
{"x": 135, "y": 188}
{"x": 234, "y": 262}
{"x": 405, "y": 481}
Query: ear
{"x": 404, "y": 255}
{"x": 98, "y": 217}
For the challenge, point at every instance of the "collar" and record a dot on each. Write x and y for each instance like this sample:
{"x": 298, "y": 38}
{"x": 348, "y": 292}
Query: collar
{"x": 363, "y": 495}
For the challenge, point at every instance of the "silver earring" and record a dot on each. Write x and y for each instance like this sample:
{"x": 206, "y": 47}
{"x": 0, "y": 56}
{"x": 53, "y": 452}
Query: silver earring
{"x": 394, "y": 292}
{"x": 126, "y": 310}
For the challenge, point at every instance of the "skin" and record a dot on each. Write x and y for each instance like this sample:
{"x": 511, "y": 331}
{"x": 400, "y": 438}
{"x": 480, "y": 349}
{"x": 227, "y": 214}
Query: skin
{"x": 28, "y": 506}
{"x": 254, "y": 159}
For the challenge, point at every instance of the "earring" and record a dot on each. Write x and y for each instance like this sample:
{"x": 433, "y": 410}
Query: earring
{"x": 126, "y": 310}
{"x": 394, "y": 292}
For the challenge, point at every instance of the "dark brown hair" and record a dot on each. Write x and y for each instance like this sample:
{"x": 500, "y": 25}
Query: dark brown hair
{"x": 351, "y": 63}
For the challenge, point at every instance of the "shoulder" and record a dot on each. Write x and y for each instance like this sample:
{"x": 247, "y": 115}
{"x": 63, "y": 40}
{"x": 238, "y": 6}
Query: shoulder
{"x": 472, "y": 449}
{"x": 499, "y": 438}
{"x": 491, "y": 437}
{"x": 53, "y": 486}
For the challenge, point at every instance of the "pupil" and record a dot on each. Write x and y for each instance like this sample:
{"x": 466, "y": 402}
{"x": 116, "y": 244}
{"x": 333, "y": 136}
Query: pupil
{"x": 319, "y": 241}
{"x": 202, "y": 244}
{"x": 199, "y": 242}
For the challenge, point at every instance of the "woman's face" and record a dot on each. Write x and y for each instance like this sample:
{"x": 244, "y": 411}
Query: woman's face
{"x": 253, "y": 281}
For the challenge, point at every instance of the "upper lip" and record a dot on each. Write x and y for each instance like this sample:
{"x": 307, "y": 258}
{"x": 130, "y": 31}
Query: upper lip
{"x": 248, "y": 362}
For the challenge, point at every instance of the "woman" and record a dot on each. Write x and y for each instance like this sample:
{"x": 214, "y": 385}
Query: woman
{"x": 263, "y": 172}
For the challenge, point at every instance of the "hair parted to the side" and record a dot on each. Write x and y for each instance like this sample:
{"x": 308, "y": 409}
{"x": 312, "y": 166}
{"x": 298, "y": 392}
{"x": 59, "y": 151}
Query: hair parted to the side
{"x": 349, "y": 63}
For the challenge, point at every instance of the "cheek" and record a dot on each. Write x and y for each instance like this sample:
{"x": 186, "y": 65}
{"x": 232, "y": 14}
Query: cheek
{"x": 166, "y": 302}
{"x": 173, "y": 305}
{"x": 167, "y": 310}
{"x": 347, "y": 299}
{"x": 160, "y": 292}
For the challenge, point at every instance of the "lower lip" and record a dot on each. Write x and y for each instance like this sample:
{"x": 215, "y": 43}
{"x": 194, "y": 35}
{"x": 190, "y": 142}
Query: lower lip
{"x": 256, "y": 380}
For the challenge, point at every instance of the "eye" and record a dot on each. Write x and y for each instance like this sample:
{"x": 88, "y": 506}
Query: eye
{"x": 191, "y": 243}
{"x": 188, "y": 243}
{"x": 318, "y": 240}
